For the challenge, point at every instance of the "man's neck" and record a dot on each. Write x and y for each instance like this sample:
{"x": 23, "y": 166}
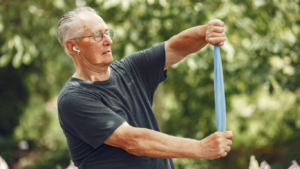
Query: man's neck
{"x": 92, "y": 75}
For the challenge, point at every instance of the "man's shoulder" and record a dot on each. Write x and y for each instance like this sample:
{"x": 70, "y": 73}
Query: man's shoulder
{"x": 71, "y": 90}
{"x": 76, "y": 89}
{"x": 66, "y": 89}
{"x": 64, "y": 93}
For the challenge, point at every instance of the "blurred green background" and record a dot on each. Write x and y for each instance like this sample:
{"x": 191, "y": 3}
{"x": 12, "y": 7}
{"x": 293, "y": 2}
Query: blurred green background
{"x": 261, "y": 66}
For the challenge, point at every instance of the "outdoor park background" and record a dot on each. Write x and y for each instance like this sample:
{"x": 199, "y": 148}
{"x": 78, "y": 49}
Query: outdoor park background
{"x": 261, "y": 67}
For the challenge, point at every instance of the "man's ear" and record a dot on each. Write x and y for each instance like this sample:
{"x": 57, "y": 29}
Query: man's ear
{"x": 69, "y": 45}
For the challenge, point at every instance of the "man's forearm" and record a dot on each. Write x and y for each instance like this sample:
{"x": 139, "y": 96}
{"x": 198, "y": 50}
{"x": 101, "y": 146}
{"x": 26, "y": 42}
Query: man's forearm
{"x": 185, "y": 43}
{"x": 192, "y": 40}
{"x": 189, "y": 41}
{"x": 145, "y": 142}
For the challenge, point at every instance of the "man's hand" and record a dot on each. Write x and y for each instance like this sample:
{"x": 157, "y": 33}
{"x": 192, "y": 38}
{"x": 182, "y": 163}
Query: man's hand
{"x": 215, "y": 32}
{"x": 192, "y": 40}
{"x": 216, "y": 145}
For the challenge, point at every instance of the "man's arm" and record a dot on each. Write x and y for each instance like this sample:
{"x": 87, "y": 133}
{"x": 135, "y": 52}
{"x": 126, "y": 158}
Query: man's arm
{"x": 145, "y": 142}
{"x": 192, "y": 40}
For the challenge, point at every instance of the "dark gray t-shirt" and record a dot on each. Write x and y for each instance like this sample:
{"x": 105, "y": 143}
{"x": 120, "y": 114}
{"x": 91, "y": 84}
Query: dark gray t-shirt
{"x": 89, "y": 112}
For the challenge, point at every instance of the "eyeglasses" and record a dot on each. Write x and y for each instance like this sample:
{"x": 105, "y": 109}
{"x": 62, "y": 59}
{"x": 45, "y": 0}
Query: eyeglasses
{"x": 98, "y": 36}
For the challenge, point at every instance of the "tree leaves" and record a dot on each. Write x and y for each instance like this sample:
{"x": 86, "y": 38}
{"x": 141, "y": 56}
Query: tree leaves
{"x": 260, "y": 64}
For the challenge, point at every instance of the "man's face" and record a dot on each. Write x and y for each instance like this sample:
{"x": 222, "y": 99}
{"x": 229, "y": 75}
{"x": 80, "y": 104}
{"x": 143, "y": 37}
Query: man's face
{"x": 93, "y": 53}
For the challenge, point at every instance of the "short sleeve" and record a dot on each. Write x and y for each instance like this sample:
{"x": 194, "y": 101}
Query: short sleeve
{"x": 149, "y": 65}
{"x": 88, "y": 119}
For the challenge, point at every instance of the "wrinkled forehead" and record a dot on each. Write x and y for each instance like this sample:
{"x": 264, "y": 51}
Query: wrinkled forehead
{"x": 91, "y": 22}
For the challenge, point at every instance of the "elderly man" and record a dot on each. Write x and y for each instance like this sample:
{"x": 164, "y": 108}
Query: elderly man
{"x": 105, "y": 107}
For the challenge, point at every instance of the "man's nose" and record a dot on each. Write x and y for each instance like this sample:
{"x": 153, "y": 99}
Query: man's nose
{"x": 107, "y": 40}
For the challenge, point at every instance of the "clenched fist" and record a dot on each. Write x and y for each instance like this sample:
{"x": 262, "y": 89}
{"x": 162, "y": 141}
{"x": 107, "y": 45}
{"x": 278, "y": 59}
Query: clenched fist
{"x": 215, "y": 32}
{"x": 216, "y": 145}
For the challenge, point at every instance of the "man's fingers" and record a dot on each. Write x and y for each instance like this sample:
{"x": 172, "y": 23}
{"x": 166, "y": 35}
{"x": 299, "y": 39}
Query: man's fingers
{"x": 216, "y": 22}
{"x": 217, "y": 29}
{"x": 214, "y": 29}
{"x": 215, "y": 35}
{"x": 216, "y": 40}
{"x": 224, "y": 154}
{"x": 217, "y": 145}
{"x": 227, "y": 149}
{"x": 229, "y": 143}
{"x": 228, "y": 135}
{"x": 220, "y": 43}
{"x": 214, "y": 32}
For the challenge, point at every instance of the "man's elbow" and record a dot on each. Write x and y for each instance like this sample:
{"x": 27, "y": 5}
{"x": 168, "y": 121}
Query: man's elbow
{"x": 127, "y": 138}
{"x": 133, "y": 145}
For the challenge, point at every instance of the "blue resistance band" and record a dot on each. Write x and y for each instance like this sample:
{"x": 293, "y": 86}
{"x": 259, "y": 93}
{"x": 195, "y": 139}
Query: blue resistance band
{"x": 219, "y": 91}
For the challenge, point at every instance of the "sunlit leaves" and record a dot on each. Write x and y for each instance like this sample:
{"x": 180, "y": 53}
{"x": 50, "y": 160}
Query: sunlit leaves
{"x": 260, "y": 64}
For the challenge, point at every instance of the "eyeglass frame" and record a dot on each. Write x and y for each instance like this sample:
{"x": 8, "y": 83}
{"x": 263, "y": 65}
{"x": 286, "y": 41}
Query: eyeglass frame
{"x": 102, "y": 34}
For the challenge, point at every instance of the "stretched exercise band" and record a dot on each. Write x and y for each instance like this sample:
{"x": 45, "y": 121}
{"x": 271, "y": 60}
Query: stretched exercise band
{"x": 219, "y": 91}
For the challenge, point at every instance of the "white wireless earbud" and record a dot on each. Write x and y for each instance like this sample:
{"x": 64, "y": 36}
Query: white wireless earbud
{"x": 76, "y": 49}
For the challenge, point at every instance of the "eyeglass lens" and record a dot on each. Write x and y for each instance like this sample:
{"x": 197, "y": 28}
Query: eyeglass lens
{"x": 99, "y": 35}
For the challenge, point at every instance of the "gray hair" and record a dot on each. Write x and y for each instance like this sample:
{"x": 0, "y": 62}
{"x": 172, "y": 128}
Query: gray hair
{"x": 69, "y": 27}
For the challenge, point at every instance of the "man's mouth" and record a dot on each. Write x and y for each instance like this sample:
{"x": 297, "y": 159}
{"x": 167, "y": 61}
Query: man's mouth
{"x": 106, "y": 52}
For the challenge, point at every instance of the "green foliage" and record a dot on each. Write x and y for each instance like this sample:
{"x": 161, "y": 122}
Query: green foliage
{"x": 14, "y": 96}
{"x": 260, "y": 62}
{"x": 52, "y": 160}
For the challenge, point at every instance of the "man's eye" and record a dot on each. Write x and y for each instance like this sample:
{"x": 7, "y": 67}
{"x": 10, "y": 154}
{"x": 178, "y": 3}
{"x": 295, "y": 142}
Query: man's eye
{"x": 98, "y": 34}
